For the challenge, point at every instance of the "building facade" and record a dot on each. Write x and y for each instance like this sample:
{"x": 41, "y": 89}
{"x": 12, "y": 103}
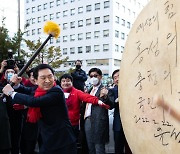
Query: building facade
{"x": 94, "y": 31}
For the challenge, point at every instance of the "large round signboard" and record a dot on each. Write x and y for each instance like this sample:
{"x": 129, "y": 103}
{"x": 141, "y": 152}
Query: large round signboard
{"x": 151, "y": 66}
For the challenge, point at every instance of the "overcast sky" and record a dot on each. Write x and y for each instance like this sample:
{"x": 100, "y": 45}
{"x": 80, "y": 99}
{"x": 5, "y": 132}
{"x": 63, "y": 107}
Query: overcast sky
{"x": 9, "y": 9}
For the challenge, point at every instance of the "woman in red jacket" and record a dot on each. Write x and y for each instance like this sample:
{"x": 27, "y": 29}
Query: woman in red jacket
{"x": 74, "y": 98}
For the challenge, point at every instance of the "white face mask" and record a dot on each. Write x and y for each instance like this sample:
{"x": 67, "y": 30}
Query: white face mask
{"x": 94, "y": 81}
{"x": 9, "y": 76}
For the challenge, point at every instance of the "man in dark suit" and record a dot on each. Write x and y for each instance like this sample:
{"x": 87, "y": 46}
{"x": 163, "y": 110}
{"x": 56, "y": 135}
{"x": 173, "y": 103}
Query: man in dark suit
{"x": 79, "y": 76}
{"x": 96, "y": 118}
{"x": 48, "y": 107}
{"x": 121, "y": 145}
{"x": 5, "y": 138}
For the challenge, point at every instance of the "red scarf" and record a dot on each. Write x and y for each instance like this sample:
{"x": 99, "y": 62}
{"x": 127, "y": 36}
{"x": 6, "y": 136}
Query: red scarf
{"x": 34, "y": 113}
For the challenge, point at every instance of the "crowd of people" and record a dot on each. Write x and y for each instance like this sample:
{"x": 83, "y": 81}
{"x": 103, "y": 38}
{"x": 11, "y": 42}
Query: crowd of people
{"x": 58, "y": 115}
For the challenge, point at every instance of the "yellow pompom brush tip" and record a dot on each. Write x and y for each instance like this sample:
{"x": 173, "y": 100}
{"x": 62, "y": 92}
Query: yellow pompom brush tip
{"x": 52, "y": 28}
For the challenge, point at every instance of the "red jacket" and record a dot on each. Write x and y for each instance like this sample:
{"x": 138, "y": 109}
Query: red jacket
{"x": 76, "y": 97}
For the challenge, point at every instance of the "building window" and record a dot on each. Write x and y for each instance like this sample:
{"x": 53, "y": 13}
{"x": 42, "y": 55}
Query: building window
{"x": 65, "y": 1}
{"x": 88, "y": 49}
{"x": 106, "y": 18}
{"x": 45, "y": 17}
{"x": 45, "y": 6}
{"x": 117, "y": 62}
{"x": 88, "y": 8}
{"x": 72, "y": 24}
{"x": 96, "y": 48}
{"x": 65, "y": 26}
{"x": 117, "y": 5}
{"x": 51, "y": 40}
{"x": 129, "y": 11}
{"x": 128, "y": 25}
{"x": 123, "y": 8}
{"x": 64, "y": 51}
{"x": 80, "y": 36}
{"x": 105, "y": 47}
{"x": 72, "y": 50}
{"x": 117, "y": 19}
{"x": 122, "y": 36}
{"x": 88, "y": 21}
{"x": 117, "y": 33}
{"x": 33, "y": 9}
{"x": 106, "y": 4}
{"x": 97, "y": 6}
{"x": 39, "y": 19}
{"x": 106, "y": 33}
{"x": 51, "y": 4}
{"x": 80, "y": 10}
{"x": 58, "y": 40}
{"x": 116, "y": 48}
{"x": 33, "y": 20}
{"x": 39, "y": 8}
{"x": 51, "y": 16}
{"x": 122, "y": 49}
{"x": 65, "y": 13}
{"x": 33, "y": 32}
{"x": 27, "y": 11}
{"x": 58, "y": 15}
{"x": 65, "y": 38}
{"x": 72, "y": 12}
{"x": 80, "y": 50}
{"x": 123, "y": 22}
{"x": 58, "y": 2}
{"x": 97, "y": 20}
{"x": 80, "y": 23}
{"x": 72, "y": 37}
{"x": 28, "y": 33}
{"x": 96, "y": 34}
{"x": 88, "y": 35}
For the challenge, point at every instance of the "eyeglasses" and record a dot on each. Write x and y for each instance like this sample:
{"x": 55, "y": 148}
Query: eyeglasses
{"x": 95, "y": 75}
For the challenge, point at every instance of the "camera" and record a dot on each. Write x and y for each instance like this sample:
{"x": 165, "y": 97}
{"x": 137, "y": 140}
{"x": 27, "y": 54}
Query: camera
{"x": 10, "y": 61}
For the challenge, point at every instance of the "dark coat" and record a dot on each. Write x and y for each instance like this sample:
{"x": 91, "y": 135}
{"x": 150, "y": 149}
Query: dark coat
{"x": 79, "y": 78}
{"x": 112, "y": 95}
{"x": 55, "y": 127}
{"x": 12, "y": 120}
{"x": 5, "y": 139}
{"x": 99, "y": 121}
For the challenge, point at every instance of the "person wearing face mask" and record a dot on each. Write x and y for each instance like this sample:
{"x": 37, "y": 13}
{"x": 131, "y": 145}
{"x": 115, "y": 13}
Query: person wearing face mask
{"x": 14, "y": 116}
{"x": 79, "y": 76}
{"x": 74, "y": 99}
{"x": 96, "y": 120}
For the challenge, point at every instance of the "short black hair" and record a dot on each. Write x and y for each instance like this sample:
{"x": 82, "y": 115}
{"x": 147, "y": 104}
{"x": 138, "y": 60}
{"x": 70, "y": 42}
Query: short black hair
{"x": 95, "y": 70}
{"x": 78, "y": 61}
{"x": 41, "y": 67}
{"x": 115, "y": 71}
{"x": 29, "y": 72}
{"x": 66, "y": 76}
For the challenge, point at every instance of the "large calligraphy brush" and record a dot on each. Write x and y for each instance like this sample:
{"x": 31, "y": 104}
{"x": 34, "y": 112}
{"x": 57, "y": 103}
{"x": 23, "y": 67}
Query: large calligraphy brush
{"x": 50, "y": 28}
{"x": 53, "y": 30}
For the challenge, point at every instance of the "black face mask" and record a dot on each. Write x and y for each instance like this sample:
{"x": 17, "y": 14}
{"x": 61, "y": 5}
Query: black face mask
{"x": 78, "y": 66}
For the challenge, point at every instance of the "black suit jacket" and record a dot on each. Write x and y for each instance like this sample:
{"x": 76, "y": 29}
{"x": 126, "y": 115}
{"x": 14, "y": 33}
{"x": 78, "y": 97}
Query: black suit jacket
{"x": 112, "y": 95}
{"x": 99, "y": 121}
{"x": 55, "y": 126}
{"x": 5, "y": 140}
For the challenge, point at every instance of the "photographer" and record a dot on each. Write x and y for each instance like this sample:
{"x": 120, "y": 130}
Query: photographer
{"x": 14, "y": 114}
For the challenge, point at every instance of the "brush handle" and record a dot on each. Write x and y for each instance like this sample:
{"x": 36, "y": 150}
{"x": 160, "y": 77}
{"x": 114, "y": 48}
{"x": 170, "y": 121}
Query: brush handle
{"x": 30, "y": 60}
